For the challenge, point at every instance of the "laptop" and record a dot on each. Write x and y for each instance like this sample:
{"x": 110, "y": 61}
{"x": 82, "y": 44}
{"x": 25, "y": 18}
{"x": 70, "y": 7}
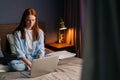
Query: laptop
{"x": 42, "y": 66}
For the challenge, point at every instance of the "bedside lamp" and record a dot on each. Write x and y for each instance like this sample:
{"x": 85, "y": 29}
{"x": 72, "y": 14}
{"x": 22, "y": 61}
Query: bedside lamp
{"x": 62, "y": 29}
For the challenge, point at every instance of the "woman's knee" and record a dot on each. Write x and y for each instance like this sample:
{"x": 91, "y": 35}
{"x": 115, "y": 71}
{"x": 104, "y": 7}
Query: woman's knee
{"x": 17, "y": 65}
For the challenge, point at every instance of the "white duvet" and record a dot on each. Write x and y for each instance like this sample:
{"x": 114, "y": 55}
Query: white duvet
{"x": 68, "y": 69}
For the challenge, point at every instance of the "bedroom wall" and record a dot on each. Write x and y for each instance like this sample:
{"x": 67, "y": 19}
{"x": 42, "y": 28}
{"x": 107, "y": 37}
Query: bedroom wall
{"x": 49, "y": 12}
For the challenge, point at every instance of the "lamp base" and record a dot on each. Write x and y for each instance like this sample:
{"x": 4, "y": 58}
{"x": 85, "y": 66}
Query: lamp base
{"x": 61, "y": 38}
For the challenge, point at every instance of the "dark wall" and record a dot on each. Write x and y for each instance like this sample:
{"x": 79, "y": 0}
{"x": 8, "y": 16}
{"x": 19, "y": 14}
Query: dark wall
{"x": 49, "y": 12}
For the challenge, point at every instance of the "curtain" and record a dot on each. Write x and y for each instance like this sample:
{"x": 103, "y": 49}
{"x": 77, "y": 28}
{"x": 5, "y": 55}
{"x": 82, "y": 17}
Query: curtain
{"x": 72, "y": 21}
{"x": 101, "y": 45}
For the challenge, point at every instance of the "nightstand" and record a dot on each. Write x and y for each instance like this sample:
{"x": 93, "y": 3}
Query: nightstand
{"x": 60, "y": 46}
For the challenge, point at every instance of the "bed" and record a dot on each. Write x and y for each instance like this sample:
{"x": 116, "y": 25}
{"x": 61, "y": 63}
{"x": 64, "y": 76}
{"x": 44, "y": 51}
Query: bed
{"x": 68, "y": 68}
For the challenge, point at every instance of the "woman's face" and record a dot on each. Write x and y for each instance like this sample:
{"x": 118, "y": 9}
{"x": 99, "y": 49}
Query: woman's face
{"x": 30, "y": 21}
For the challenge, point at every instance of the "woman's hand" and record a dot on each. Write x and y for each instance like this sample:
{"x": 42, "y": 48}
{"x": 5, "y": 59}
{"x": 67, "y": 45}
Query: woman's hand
{"x": 29, "y": 68}
{"x": 29, "y": 65}
{"x": 28, "y": 62}
{"x": 40, "y": 57}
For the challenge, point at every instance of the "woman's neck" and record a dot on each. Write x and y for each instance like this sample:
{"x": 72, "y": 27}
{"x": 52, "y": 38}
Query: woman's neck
{"x": 28, "y": 28}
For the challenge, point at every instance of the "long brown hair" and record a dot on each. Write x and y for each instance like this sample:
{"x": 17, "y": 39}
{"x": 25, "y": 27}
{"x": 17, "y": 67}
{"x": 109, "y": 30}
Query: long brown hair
{"x": 22, "y": 25}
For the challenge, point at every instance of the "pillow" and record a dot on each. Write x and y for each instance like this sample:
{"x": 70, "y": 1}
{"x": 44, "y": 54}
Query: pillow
{"x": 11, "y": 41}
{"x": 3, "y": 68}
{"x": 1, "y": 54}
{"x": 62, "y": 54}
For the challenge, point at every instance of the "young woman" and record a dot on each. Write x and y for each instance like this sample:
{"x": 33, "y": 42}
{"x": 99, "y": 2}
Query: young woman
{"x": 29, "y": 41}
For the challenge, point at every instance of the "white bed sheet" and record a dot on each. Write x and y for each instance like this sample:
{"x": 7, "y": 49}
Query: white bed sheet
{"x": 68, "y": 69}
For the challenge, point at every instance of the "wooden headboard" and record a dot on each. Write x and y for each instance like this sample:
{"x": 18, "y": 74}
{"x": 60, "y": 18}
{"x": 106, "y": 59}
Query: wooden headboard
{"x": 9, "y": 28}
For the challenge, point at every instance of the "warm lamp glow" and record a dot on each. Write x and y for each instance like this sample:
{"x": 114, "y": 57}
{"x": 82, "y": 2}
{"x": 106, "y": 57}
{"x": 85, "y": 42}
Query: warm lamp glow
{"x": 62, "y": 36}
{"x": 70, "y": 36}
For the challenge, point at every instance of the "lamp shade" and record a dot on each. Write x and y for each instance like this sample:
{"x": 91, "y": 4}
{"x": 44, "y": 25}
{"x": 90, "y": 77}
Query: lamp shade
{"x": 62, "y": 28}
